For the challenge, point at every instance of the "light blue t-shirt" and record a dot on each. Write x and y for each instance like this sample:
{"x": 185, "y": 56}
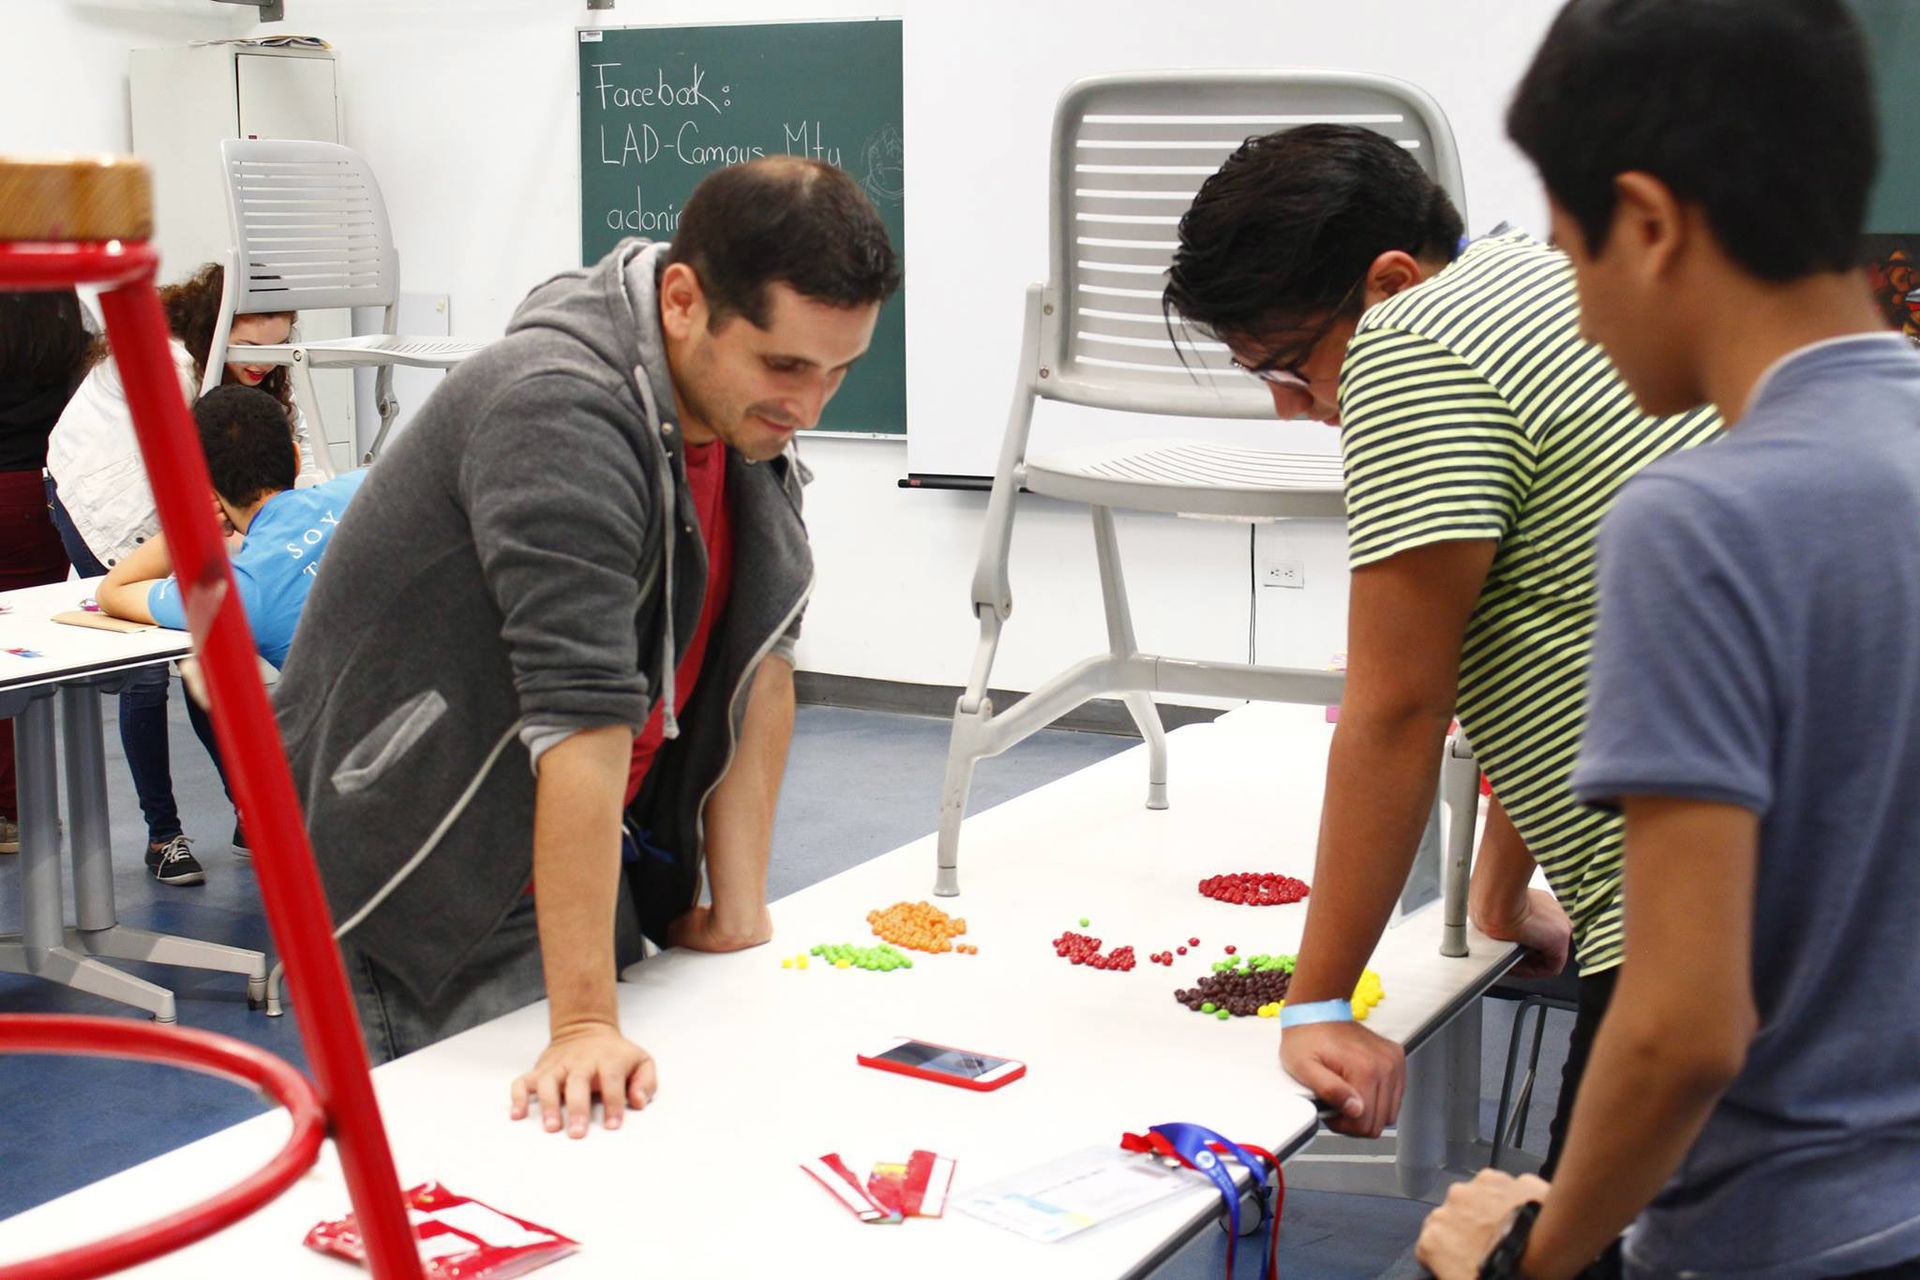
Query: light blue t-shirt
{"x": 274, "y": 568}
{"x": 1759, "y": 646}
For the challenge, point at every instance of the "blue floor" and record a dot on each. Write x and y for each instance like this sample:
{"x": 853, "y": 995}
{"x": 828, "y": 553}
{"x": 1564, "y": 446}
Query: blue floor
{"x": 858, "y": 784}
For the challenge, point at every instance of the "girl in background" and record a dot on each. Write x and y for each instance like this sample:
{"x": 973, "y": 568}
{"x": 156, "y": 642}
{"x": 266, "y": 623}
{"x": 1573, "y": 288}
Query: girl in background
{"x": 103, "y": 509}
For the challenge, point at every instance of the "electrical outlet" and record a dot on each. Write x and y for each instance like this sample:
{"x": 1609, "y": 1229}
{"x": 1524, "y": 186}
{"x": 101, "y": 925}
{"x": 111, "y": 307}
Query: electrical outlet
{"x": 1283, "y": 573}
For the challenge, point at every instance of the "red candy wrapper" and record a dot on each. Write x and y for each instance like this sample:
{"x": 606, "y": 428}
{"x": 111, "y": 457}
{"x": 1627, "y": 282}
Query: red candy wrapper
{"x": 460, "y": 1239}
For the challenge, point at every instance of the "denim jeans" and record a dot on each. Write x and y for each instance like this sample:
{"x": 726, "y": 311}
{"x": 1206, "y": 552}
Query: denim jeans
{"x": 503, "y": 974}
{"x": 143, "y": 707}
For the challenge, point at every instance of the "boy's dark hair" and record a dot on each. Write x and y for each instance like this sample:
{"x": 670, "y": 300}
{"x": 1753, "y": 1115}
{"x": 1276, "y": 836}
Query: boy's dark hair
{"x": 248, "y": 442}
{"x": 1759, "y": 111}
{"x": 1281, "y": 234}
{"x": 798, "y": 221}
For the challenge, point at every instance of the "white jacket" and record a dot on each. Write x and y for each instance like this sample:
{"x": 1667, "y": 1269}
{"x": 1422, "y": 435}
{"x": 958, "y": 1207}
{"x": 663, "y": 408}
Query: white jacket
{"x": 94, "y": 457}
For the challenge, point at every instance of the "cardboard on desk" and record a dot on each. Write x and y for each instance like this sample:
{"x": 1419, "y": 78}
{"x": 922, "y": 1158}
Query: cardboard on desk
{"x": 103, "y": 622}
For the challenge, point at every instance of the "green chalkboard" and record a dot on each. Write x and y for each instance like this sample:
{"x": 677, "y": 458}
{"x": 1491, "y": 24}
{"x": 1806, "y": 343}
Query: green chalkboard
{"x": 661, "y": 107}
{"x": 1892, "y": 29}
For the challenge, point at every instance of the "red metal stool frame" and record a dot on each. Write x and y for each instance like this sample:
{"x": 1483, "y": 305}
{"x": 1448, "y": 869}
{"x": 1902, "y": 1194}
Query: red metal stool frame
{"x": 215, "y": 1055}
{"x": 257, "y": 769}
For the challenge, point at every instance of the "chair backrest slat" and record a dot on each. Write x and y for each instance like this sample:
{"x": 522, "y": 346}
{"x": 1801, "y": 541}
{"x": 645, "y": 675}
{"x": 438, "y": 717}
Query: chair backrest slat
{"x": 309, "y": 227}
{"x": 1129, "y": 152}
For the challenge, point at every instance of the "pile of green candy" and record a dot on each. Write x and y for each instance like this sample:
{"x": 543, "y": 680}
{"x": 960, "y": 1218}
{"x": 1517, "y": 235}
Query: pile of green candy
{"x": 1255, "y": 964}
{"x": 844, "y": 955}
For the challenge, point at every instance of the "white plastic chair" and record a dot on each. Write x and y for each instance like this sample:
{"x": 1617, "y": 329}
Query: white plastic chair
{"x": 1129, "y": 152}
{"x": 309, "y": 231}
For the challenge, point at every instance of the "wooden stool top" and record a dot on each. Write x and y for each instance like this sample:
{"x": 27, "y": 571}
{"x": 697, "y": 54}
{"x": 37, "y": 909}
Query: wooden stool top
{"x": 74, "y": 198}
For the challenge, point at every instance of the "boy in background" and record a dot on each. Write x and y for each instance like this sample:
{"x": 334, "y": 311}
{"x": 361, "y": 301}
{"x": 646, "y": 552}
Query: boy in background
{"x": 253, "y": 465}
{"x": 1753, "y": 1100}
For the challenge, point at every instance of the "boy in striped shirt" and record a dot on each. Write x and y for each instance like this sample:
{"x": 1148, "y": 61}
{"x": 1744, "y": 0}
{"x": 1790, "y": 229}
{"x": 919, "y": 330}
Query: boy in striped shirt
{"x": 1482, "y": 440}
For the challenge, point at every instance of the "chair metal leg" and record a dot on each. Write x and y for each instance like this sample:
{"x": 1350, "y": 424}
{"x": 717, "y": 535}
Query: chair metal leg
{"x": 301, "y": 375}
{"x": 962, "y": 751}
{"x": 1533, "y": 1067}
{"x": 1120, "y": 640}
{"x": 1506, "y": 1086}
{"x": 1460, "y": 787}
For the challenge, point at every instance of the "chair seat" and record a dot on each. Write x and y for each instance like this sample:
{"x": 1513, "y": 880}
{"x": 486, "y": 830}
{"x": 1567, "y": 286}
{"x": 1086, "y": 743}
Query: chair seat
{"x": 374, "y": 349}
{"x": 1187, "y": 477}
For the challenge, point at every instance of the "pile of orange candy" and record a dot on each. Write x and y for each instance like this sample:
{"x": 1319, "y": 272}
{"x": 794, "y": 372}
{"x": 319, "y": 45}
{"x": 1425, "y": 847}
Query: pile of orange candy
{"x": 921, "y": 926}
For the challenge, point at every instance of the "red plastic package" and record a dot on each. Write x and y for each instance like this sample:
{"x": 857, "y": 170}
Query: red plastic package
{"x": 460, "y": 1239}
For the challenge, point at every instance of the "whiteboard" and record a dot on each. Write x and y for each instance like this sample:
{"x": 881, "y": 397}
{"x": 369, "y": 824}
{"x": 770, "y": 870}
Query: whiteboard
{"x": 981, "y": 83}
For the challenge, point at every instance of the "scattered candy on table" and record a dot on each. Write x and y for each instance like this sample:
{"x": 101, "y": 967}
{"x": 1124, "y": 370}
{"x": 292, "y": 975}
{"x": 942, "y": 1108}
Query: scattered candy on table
{"x": 1078, "y": 948}
{"x": 920, "y": 926}
{"x": 1084, "y": 922}
{"x": 844, "y": 955}
{"x": 1254, "y": 889}
{"x": 1235, "y": 992}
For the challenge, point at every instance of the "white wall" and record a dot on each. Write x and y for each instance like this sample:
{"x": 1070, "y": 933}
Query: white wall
{"x": 467, "y": 109}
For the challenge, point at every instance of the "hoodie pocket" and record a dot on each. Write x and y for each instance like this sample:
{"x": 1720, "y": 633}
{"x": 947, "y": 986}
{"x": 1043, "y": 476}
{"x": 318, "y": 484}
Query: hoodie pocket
{"x": 392, "y": 738}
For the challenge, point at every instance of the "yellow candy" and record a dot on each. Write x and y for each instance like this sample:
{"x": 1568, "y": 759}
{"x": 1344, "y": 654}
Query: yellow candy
{"x": 843, "y": 964}
{"x": 1367, "y": 993}
{"x": 786, "y": 962}
{"x": 802, "y": 960}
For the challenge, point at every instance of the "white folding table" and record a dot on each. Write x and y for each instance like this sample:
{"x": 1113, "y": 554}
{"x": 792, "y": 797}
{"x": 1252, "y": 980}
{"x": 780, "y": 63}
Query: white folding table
{"x": 757, "y": 1068}
{"x": 73, "y": 663}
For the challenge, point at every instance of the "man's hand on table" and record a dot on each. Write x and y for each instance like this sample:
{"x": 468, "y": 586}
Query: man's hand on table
{"x": 1542, "y": 928}
{"x": 1359, "y": 1074}
{"x": 1458, "y": 1236}
{"x": 705, "y": 929}
{"x": 578, "y": 1064}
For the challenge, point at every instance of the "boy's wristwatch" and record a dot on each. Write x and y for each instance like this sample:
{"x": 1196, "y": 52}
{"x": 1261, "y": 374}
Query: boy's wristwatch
{"x": 1504, "y": 1262}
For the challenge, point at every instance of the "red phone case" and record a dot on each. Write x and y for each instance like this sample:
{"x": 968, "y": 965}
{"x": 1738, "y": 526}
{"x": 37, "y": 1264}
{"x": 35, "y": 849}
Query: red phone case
{"x": 941, "y": 1077}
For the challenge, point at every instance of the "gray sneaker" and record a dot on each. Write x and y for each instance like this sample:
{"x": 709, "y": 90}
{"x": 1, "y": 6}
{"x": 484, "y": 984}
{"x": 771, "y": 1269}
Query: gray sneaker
{"x": 174, "y": 863}
{"x": 9, "y": 836}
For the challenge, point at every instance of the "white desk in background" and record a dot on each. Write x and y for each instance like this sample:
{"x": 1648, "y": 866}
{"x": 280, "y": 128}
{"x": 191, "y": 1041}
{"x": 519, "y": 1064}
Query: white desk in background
{"x": 757, "y": 1067}
{"x": 74, "y": 663}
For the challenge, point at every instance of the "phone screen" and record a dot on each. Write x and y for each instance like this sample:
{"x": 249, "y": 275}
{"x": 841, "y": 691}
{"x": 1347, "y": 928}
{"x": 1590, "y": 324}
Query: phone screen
{"x": 948, "y": 1062}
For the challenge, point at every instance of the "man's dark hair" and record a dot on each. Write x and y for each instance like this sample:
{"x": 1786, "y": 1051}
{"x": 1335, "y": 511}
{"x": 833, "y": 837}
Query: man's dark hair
{"x": 801, "y": 222}
{"x": 1278, "y": 238}
{"x": 1758, "y": 111}
{"x": 248, "y": 442}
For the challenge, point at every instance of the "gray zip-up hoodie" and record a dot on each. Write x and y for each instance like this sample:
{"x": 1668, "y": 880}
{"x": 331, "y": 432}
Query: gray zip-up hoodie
{"x": 525, "y": 557}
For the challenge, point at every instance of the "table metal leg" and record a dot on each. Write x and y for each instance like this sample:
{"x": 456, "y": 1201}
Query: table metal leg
{"x": 1437, "y": 1142}
{"x": 100, "y": 933}
{"x": 42, "y": 948}
{"x": 87, "y": 832}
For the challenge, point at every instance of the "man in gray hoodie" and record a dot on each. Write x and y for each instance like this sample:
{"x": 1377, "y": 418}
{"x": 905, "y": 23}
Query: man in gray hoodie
{"x": 571, "y": 589}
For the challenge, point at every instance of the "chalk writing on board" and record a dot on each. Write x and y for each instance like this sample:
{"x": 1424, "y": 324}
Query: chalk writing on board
{"x": 650, "y": 138}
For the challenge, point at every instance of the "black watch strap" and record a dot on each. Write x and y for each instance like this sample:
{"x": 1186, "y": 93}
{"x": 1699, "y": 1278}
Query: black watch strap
{"x": 1504, "y": 1262}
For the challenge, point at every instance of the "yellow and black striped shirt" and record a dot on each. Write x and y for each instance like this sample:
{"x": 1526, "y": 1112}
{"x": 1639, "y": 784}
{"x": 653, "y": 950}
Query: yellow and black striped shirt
{"x": 1470, "y": 407}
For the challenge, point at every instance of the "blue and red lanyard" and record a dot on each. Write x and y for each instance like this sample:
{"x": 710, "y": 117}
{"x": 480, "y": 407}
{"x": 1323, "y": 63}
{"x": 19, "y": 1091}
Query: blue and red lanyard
{"x": 1202, "y": 1149}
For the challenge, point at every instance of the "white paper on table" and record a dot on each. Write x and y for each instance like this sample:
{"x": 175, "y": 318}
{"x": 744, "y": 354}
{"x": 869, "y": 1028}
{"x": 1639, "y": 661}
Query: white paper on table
{"x": 1083, "y": 1190}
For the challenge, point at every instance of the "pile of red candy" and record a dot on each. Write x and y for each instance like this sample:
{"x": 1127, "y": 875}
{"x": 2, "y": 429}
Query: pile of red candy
{"x": 1078, "y": 948}
{"x": 1254, "y": 888}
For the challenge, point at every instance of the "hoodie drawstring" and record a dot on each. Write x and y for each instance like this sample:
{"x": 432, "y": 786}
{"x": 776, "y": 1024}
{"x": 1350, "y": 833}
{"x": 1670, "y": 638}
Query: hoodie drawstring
{"x": 669, "y": 722}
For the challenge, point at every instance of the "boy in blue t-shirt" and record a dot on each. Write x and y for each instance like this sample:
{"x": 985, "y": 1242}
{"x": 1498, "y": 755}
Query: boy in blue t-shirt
{"x": 251, "y": 459}
{"x": 1752, "y": 1102}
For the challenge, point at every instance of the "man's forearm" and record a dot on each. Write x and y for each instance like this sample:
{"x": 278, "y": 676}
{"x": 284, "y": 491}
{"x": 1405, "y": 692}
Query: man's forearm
{"x": 1381, "y": 779}
{"x": 1647, "y": 1091}
{"x": 1497, "y": 896}
{"x": 740, "y": 813}
{"x": 576, "y": 872}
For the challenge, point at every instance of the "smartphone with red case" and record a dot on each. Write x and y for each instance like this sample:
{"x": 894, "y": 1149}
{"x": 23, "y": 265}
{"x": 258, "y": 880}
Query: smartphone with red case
{"x": 944, "y": 1064}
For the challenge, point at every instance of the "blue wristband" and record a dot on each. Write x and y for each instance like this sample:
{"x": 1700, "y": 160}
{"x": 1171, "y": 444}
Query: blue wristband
{"x": 1301, "y": 1015}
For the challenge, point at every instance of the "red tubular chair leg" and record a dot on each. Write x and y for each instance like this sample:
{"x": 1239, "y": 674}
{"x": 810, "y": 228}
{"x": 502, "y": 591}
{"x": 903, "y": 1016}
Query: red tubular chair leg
{"x": 257, "y": 768}
{"x": 243, "y": 721}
